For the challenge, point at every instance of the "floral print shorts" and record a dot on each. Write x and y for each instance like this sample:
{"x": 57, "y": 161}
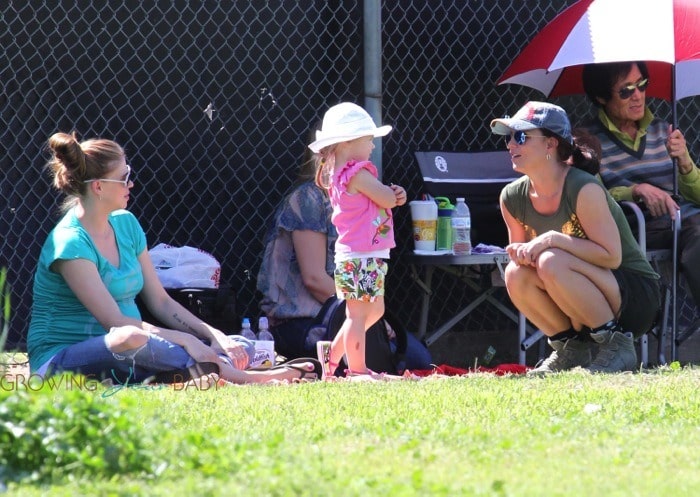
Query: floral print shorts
{"x": 360, "y": 279}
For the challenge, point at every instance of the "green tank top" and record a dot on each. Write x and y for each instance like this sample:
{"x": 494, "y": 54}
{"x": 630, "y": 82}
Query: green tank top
{"x": 515, "y": 197}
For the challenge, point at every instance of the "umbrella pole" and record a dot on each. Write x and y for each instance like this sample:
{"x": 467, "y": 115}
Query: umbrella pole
{"x": 674, "y": 117}
{"x": 675, "y": 227}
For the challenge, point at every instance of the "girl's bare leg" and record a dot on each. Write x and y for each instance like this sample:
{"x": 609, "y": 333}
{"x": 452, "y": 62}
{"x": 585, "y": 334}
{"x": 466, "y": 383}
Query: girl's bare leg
{"x": 357, "y": 315}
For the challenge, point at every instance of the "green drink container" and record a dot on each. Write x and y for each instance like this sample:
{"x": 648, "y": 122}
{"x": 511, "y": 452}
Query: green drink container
{"x": 444, "y": 224}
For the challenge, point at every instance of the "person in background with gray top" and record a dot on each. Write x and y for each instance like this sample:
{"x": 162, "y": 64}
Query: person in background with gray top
{"x": 636, "y": 161}
{"x": 576, "y": 271}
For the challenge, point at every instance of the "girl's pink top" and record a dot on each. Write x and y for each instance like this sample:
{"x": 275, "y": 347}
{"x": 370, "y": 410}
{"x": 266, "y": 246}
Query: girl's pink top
{"x": 362, "y": 225}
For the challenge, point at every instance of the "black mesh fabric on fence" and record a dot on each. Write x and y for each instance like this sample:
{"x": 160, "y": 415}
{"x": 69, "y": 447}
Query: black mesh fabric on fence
{"x": 213, "y": 102}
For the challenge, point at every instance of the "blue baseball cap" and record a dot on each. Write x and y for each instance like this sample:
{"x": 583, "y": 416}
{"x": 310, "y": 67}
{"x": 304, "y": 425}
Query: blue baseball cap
{"x": 536, "y": 115}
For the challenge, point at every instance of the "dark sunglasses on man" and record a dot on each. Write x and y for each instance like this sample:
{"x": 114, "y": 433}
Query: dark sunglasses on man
{"x": 627, "y": 91}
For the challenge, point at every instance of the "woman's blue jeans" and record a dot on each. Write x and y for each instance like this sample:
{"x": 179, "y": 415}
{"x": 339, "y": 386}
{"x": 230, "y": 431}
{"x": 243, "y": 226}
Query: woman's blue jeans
{"x": 93, "y": 359}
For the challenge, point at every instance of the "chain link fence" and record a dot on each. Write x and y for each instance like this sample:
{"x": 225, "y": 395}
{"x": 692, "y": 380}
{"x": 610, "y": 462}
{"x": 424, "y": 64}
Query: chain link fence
{"x": 213, "y": 102}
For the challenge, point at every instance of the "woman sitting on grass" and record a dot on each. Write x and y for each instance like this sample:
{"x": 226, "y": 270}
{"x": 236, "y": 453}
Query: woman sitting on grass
{"x": 92, "y": 266}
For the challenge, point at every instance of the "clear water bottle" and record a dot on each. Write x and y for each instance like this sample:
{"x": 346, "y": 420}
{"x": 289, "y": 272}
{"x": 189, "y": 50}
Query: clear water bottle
{"x": 246, "y": 331}
{"x": 264, "y": 330}
{"x": 461, "y": 229}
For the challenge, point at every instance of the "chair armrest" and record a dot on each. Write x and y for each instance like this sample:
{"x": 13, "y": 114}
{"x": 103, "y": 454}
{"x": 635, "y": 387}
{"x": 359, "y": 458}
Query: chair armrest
{"x": 641, "y": 223}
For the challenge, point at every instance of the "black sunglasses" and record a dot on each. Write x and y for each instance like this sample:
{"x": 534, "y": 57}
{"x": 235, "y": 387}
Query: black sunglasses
{"x": 520, "y": 137}
{"x": 627, "y": 91}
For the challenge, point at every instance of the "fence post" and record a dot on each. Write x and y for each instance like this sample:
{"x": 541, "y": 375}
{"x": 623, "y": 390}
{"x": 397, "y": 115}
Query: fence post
{"x": 372, "y": 34}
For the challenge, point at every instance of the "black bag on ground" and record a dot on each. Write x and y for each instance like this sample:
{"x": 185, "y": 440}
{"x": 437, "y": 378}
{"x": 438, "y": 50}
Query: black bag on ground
{"x": 378, "y": 354}
{"x": 215, "y": 306}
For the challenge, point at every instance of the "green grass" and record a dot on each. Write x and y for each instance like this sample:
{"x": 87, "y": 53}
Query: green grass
{"x": 569, "y": 435}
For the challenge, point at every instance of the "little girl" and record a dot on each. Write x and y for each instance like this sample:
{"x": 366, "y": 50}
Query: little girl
{"x": 362, "y": 216}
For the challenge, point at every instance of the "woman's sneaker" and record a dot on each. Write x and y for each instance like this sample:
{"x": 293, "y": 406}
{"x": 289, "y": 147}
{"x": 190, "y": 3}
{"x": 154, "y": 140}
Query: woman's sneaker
{"x": 568, "y": 354}
{"x": 616, "y": 352}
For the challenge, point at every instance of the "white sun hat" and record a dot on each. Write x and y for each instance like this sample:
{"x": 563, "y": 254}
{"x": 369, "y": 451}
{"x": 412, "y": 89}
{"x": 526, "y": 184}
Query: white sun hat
{"x": 344, "y": 122}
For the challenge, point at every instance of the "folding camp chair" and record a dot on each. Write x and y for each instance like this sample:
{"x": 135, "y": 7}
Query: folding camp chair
{"x": 668, "y": 305}
{"x": 479, "y": 177}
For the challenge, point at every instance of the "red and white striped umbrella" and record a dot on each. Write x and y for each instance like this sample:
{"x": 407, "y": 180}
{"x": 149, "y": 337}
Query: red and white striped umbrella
{"x": 664, "y": 33}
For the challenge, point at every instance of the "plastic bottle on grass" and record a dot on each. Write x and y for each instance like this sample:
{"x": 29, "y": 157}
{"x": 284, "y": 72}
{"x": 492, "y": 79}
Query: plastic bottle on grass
{"x": 461, "y": 229}
{"x": 264, "y": 330}
{"x": 264, "y": 346}
{"x": 246, "y": 331}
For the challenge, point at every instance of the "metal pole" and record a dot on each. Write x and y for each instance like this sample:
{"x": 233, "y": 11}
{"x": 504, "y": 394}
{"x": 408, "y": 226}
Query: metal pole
{"x": 676, "y": 222}
{"x": 372, "y": 23}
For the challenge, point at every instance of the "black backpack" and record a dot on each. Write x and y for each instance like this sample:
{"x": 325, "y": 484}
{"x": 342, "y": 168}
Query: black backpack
{"x": 215, "y": 306}
{"x": 378, "y": 354}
